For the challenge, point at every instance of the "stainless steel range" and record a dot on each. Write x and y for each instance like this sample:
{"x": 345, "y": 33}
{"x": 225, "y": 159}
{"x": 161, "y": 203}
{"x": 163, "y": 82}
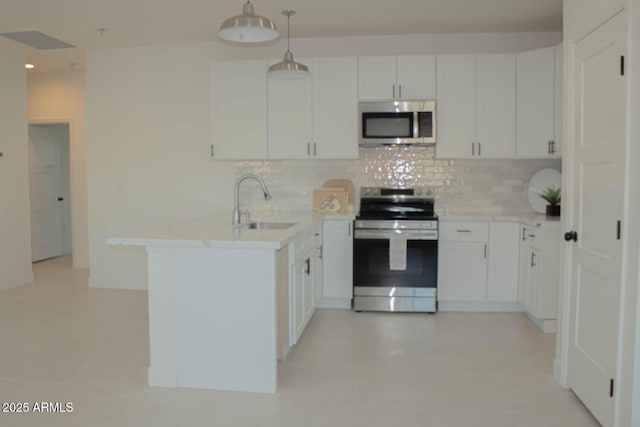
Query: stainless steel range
{"x": 395, "y": 251}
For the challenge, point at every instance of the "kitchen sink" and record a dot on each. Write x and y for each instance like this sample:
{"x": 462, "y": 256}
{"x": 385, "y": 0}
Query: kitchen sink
{"x": 267, "y": 225}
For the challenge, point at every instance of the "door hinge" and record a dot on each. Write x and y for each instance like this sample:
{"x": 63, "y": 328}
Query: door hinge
{"x": 619, "y": 230}
{"x": 611, "y": 388}
{"x": 622, "y": 65}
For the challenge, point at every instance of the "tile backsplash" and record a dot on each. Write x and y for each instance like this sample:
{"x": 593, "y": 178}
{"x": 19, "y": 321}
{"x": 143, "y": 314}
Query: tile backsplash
{"x": 459, "y": 186}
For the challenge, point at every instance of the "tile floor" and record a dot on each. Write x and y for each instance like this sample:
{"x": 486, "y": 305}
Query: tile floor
{"x": 63, "y": 342}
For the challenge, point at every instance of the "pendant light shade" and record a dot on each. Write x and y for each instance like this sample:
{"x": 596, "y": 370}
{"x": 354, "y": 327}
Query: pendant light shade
{"x": 248, "y": 27}
{"x": 288, "y": 68}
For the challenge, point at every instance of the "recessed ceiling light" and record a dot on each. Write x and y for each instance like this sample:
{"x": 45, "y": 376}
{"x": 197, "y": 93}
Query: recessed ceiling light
{"x": 29, "y": 66}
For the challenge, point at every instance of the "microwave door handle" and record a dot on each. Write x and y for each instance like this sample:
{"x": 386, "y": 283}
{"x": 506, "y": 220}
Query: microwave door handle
{"x": 416, "y": 125}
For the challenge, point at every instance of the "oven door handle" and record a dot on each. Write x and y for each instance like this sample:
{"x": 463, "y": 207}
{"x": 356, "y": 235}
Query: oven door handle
{"x": 388, "y": 234}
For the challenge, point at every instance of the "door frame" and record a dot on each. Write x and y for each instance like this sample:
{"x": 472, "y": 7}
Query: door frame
{"x": 73, "y": 163}
{"x": 629, "y": 345}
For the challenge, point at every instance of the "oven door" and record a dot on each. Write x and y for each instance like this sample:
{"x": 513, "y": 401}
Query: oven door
{"x": 372, "y": 266}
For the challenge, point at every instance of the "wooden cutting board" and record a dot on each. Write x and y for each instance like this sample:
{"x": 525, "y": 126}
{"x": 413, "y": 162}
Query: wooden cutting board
{"x": 345, "y": 184}
{"x": 330, "y": 200}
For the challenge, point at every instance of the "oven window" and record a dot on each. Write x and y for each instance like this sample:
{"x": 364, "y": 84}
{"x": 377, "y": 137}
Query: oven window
{"x": 387, "y": 125}
{"x": 371, "y": 264}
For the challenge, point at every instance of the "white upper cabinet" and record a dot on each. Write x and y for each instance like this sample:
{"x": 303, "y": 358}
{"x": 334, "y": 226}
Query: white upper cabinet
{"x": 290, "y": 116}
{"x": 397, "y": 77}
{"x": 476, "y": 102}
{"x": 315, "y": 117}
{"x": 335, "y": 108}
{"x": 495, "y": 106}
{"x": 238, "y": 98}
{"x": 456, "y": 107}
{"x": 539, "y": 95}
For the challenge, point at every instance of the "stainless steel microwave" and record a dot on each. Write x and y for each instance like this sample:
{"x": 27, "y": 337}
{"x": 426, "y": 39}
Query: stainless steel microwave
{"x": 397, "y": 122}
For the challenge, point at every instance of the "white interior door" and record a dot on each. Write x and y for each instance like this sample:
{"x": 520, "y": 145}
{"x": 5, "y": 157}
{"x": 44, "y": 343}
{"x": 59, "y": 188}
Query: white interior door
{"x": 47, "y": 210}
{"x": 598, "y": 177}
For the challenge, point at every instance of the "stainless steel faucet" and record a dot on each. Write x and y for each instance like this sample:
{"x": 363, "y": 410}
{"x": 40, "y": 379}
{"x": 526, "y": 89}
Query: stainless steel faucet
{"x": 236, "y": 203}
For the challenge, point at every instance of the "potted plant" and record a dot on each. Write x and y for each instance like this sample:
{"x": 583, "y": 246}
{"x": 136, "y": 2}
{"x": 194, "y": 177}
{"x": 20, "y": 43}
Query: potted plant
{"x": 552, "y": 196}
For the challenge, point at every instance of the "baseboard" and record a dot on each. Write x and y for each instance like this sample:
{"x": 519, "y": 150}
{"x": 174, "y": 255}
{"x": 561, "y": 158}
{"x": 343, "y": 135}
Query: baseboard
{"x": 15, "y": 281}
{"x": 162, "y": 377}
{"x": 548, "y": 326}
{"x": 344, "y": 303}
{"x": 481, "y": 306}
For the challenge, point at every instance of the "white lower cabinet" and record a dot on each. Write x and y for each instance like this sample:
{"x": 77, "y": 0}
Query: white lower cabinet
{"x": 539, "y": 273}
{"x": 478, "y": 266}
{"x": 462, "y": 261}
{"x": 337, "y": 276}
{"x": 502, "y": 277}
{"x": 302, "y": 293}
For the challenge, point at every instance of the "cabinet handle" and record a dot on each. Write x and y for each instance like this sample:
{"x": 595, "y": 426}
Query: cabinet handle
{"x": 553, "y": 147}
{"x": 308, "y": 266}
{"x": 533, "y": 258}
{"x": 308, "y": 148}
{"x": 400, "y": 91}
{"x": 321, "y": 254}
{"x": 524, "y": 232}
{"x": 533, "y": 236}
{"x": 463, "y": 231}
{"x": 485, "y": 251}
{"x": 473, "y": 149}
{"x": 479, "y": 149}
{"x": 394, "y": 91}
{"x": 212, "y": 151}
{"x": 315, "y": 151}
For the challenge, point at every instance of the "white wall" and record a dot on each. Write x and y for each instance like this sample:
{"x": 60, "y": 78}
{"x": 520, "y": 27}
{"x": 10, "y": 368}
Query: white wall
{"x": 580, "y": 18}
{"x": 148, "y": 132}
{"x": 15, "y": 227}
{"x": 60, "y": 97}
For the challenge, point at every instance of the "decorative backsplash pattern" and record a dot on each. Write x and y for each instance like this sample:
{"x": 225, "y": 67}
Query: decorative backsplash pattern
{"x": 460, "y": 186}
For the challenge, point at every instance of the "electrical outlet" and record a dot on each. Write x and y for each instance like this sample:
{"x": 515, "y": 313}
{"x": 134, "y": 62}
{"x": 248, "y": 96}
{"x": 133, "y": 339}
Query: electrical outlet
{"x": 1, "y": 154}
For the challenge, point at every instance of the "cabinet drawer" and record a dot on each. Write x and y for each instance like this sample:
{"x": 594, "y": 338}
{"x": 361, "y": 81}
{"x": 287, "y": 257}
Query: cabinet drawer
{"x": 464, "y": 231}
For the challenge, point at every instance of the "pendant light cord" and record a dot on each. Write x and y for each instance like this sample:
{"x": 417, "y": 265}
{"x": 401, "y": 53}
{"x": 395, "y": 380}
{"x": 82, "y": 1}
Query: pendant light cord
{"x": 288, "y": 30}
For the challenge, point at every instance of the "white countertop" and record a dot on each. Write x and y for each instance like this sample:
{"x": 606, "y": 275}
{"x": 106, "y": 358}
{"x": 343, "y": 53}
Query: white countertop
{"x": 216, "y": 231}
{"x": 529, "y": 219}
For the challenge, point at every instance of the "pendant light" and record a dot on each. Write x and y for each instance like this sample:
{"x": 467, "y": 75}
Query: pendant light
{"x": 288, "y": 68}
{"x": 248, "y": 27}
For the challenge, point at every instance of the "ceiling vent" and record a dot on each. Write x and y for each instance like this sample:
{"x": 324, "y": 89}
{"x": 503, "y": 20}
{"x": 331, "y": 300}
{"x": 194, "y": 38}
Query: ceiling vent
{"x": 36, "y": 39}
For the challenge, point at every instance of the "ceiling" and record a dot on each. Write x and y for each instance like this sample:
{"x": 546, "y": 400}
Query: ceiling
{"x": 149, "y": 22}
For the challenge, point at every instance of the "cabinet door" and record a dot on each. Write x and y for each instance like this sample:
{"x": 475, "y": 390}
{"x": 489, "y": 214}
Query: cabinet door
{"x": 308, "y": 282}
{"x": 502, "y": 278}
{"x": 557, "y": 117}
{"x": 535, "y": 105}
{"x": 462, "y": 271}
{"x": 238, "y": 98}
{"x": 532, "y": 282}
{"x": 496, "y": 106}
{"x": 290, "y": 116}
{"x": 338, "y": 259}
{"x": 297, "y": 308}
{"x": 456, "y": 107}
{"x": 416, "y": 77}
{"x": 335, "y": 108}
{"x": 523, "y": 269}
{"x": 377, "y": 78}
